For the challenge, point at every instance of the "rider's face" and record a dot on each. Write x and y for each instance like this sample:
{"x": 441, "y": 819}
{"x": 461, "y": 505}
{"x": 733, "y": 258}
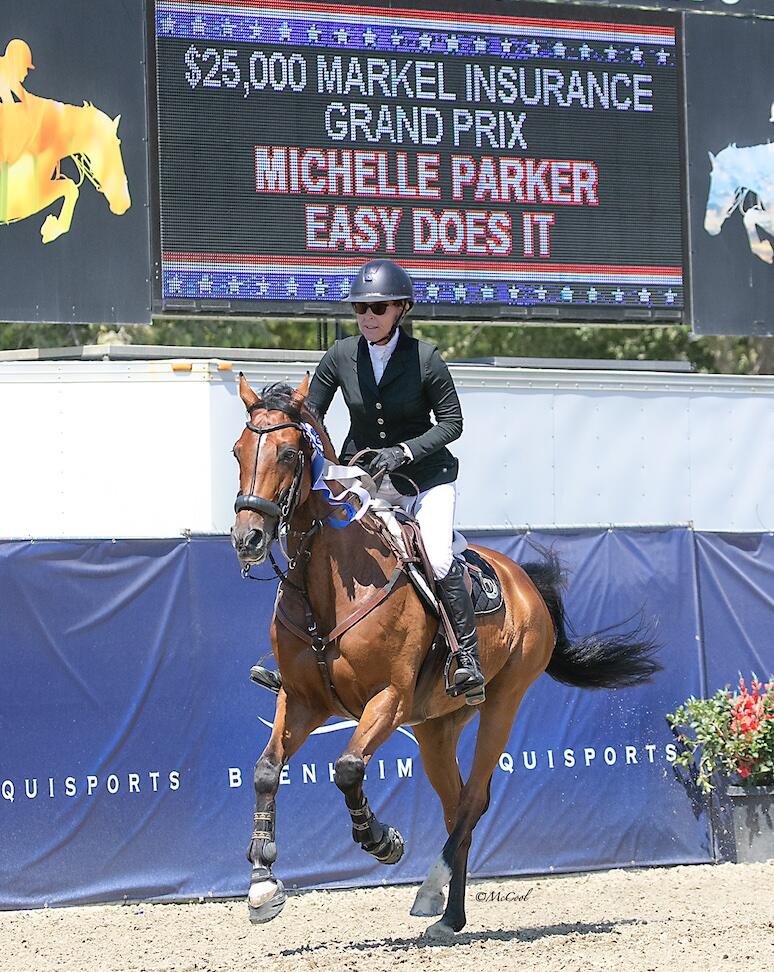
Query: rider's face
{"x": 376, "y": 327}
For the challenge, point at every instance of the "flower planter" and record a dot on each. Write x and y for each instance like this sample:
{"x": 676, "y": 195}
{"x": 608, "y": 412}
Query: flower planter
{"x": 752, "y": 810}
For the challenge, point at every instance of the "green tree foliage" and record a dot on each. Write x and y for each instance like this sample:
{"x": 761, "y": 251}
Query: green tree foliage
{"x": 728, "y": 355}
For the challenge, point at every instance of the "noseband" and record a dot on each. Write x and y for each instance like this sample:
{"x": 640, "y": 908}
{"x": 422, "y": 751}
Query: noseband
{"x": 282, "y": 510}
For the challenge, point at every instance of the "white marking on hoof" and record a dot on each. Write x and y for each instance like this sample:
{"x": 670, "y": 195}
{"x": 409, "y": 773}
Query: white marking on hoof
{"x": 440, "y": 929}
{"x": 261, "y": 892}
{"x": 265, "y": 900}
{"x": 428, "y": 905}
{"x": 437, "y": 879}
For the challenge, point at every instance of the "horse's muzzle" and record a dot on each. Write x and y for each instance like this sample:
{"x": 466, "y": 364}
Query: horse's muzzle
{"x": 252, "y": 539}
{"x": 119, "y": 200}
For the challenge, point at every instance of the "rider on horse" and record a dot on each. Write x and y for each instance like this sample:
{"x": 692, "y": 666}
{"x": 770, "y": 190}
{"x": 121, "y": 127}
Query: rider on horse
{"x": 390, "y": 392}
{"x": 14, "y": 66}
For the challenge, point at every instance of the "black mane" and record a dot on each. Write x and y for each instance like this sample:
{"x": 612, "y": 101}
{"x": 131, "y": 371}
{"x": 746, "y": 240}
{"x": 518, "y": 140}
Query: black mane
{"x": 278, "y": 396}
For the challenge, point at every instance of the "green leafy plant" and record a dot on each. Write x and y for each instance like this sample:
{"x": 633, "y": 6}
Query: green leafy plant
{"x": 731, "y": 733}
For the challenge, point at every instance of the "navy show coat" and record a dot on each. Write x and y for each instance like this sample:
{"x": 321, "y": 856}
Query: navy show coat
{"x": 415, "y": 383}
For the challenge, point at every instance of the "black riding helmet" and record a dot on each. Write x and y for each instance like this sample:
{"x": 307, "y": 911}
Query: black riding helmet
{"x": 382, "y": 280}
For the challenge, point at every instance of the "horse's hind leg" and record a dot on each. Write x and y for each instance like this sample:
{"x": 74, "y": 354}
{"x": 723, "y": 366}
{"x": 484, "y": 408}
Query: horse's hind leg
{"x": 292, "y": 724}
{"x": 438, "y": 740}
{"x": 381, "y": 716}
{"x": 497, "y": 715}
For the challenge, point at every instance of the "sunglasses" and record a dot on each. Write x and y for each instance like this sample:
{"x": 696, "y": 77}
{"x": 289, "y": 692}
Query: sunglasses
{"x": 378, "y": 308}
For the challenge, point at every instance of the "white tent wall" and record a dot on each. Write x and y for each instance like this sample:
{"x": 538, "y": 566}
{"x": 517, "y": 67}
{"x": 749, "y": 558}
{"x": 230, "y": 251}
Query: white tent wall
{"x": 121, "y": 449}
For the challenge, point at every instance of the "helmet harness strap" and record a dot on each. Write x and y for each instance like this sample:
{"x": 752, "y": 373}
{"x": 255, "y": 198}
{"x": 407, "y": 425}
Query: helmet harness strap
{"x": 394, "y": 328}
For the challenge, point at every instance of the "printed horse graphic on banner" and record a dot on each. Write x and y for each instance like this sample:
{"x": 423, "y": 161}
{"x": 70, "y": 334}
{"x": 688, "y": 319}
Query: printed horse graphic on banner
{"x": 738, "y": 173}
{"x": 36, "y": 135}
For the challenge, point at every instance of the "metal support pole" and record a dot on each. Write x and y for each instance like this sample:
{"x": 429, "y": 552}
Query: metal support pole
{"x": 322, "y": 333}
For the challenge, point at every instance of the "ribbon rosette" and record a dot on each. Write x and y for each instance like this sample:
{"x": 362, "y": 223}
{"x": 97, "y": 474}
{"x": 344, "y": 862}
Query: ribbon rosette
{"x": 349, "y": 477}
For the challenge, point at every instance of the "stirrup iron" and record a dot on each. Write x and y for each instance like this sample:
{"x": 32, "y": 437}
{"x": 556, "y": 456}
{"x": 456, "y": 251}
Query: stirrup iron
{"x": 266, "y": 678}
{"x": 474, "y": 695}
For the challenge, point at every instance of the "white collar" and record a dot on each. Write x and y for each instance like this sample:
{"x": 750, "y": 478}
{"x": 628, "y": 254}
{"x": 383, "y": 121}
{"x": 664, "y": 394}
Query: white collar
{"x": 384, "y": 351}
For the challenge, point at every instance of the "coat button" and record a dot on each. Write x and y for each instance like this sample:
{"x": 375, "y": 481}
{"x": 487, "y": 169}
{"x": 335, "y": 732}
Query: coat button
{"x": 382, "y": 435}
{"x": 380, "y": 421}
{"x": 379, "y": 405}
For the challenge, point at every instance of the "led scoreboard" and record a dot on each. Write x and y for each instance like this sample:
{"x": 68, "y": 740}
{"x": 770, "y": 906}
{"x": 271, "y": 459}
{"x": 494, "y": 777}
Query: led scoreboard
{"x": 506, "y": 158}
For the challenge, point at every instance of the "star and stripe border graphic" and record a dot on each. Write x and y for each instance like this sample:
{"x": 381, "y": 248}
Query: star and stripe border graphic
{"x": 398, "y": 31}
{"x": 208, "y": 276}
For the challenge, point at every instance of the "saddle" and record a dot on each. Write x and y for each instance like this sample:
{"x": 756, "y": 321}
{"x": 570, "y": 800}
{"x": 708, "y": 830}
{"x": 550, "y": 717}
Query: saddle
{"x": 405, "y": 539}
{"x": 402, "y": 535}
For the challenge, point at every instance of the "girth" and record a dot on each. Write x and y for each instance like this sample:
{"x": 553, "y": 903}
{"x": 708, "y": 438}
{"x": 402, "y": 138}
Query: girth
{"x": 319, "y": 643}
{"x": 413, "y": 554}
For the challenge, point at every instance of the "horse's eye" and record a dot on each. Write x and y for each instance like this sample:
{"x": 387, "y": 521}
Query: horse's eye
{"x": 288, "y": 455}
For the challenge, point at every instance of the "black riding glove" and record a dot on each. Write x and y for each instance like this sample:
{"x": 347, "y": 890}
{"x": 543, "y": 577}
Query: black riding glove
{"x": 386, "y": 460}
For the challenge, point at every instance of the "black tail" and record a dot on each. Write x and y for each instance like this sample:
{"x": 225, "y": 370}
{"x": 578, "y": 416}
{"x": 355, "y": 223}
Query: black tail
{"x": 594, "y": 661}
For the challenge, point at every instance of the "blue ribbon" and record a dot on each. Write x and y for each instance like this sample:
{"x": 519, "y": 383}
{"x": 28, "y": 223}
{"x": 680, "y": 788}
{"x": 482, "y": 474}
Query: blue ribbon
{"x": 318, "y": 483}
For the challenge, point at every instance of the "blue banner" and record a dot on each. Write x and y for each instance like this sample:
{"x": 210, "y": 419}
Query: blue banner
{"x": 129, "y": 727}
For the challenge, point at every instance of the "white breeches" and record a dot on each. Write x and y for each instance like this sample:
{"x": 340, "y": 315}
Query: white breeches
{"x": 434, "y": 510}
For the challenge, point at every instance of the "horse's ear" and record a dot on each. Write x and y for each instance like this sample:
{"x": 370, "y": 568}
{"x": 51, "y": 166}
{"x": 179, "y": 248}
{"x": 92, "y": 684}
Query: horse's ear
{"x": 712, "y": 159}
{"x": 116, "y": 120}
{"x": 246, "y": 393}
{"x": 298, "y": 397}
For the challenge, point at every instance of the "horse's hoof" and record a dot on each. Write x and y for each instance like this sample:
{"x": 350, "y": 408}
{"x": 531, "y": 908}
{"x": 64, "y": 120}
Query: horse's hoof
{"x": 50, "y": 230}
{"x": 391, "y": 847}
{"x": 428, "y": 905}
{"x": 265, "y": 900}
{"x": 440, "y": 930}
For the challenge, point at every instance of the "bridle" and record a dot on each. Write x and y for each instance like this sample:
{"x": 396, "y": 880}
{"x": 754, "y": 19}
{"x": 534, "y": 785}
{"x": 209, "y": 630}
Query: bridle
{"x": 83, "y": 164}
{"x": 738, "y": 202}
{"x": 283, "y": 509}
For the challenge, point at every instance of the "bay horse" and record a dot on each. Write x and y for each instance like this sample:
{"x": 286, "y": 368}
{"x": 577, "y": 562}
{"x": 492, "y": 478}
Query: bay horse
{"x": 377, "y": 664}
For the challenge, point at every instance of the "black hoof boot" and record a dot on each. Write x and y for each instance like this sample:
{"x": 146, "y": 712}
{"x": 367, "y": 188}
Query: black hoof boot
{"x": 390, "y": 848}
{"x": 266, "y": 897}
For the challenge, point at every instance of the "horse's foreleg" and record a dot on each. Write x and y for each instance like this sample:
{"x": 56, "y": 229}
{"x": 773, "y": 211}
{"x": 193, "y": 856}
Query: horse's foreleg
{"x": 754, "y": 218}
{"x": 381, "y": 716}
{"x": 497, "y": 715}
{"x": 438, "y": 740}
{"x": 55, "y": 225}
{"x": 292, "y": 724}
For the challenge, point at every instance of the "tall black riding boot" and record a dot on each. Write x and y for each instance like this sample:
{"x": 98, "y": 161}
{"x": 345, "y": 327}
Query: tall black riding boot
{"x": 468, "y": 680}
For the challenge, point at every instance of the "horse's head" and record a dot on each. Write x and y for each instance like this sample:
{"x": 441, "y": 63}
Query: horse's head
{"x": 725, "y": 187}
{"x": 105, "y": 164}
{"x": 274, "y": 478}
